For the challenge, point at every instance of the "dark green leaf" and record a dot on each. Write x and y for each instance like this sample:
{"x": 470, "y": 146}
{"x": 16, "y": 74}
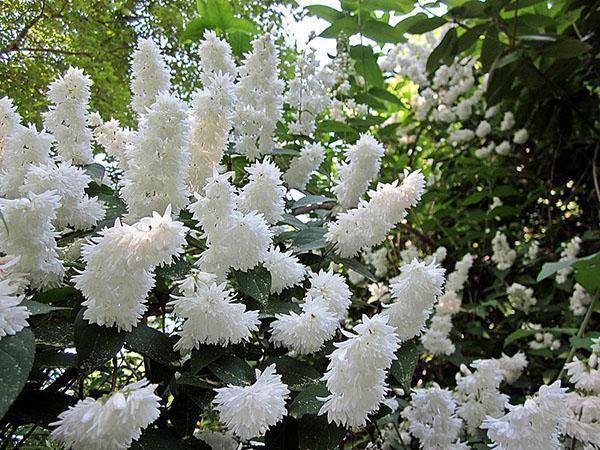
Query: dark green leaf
{"x": 95, "y": 171}
{"x": 39, "y": 309}
{"x": 443, "y": 53}
{"x": 255, "y": 283}
{"x": 366, "y": 64}
{"x": 567, "y": 48}
{"x": 315, "y": 433}
{"x": 151, "y": 343}
{"x": 204, "y": 355}
{"x": 155, "y": 439}
{"x": 296, "y": 374}
{"x": 232, "y": 370}
{"x": 310, "y": 238}
{"x": 306, "y": 401}
{"x": 490, "y": 49}
{"x": 17, "y": 353}
{"x": 403, "y": 368}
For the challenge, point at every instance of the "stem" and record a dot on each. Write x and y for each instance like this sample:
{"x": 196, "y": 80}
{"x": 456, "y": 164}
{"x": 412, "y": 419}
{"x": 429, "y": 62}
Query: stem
{"x": 113, "y": 383}
{"x": 595, "y": 173}
{"x": 581, "y": 331}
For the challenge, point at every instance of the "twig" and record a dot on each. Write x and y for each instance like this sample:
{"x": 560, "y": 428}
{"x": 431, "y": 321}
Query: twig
{"x": 595, "y": 173}
{"x": 14, "y": 45}
{"x": 113, "y": 383}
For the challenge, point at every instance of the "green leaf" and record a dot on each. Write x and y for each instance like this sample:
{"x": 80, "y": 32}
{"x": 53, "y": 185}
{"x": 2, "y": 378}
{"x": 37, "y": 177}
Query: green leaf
{"x": 384, "y": 94}
{"x": 403, "y": 368}
{"x": 518, "y": 334}
{"x": 306, "y": 401}
{"x": 204, "y": 355}
{"x": 39, "y": 309}
{"x": 311, "y": 200}
{"x": 466, "y": 40}
{"x": 357, "y": 266}
{"x": 567, "y": 48}
{"x": 240, "y": 43}
{"x": 347, "y": 24}
{"x": 40, "y": 407}
{"x": 95, "y": 344}
{"x": 587, "y": 272}
{"x": 381, "y": 32}
{"x": 17, "y": 353}
{"x": 366, "y": 64}
{"x": 549, "y": 269}
{"x": 232, "y": 370}
{"x": 426, "y": 24}
{"x": 315, "y": 433}
{"x": 194, "y": 30}
{"x": 490, "y": 49}
{"x": 95, "y": 171}
{"x": 333, "y": 126}
{"x": 151, "y": 343}
{"x": 443, "y": 53}
{"x": 157, "y": 439}
{"x": 242, "y": 25}
{"x": 324, "y": 12}
{"x": 296, "y": 374}
{"x": 255, "y": 283}
{"x": 470, "y": 9}
{"x": 310, "y": 238}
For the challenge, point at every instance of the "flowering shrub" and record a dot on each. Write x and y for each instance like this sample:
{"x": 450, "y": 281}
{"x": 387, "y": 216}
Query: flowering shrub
{"x": 361, "y": 254}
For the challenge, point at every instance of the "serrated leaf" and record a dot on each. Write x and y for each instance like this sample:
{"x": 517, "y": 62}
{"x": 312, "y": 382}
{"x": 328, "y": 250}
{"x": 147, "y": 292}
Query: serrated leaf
{"x": 232, "y": 370}
{"x": 366, "y": 64}
{"x": 549, "y": 269}
{"x": 356, "y": 266}
{"x": 17, "y": 353}
{"x": 518, "y": 334}
{"x": 255, "y": 283}
{"x": 310, "y": 238}
{"x": 444, "y": 51}
{"x": 95, "y": 344}
{"x": 403, "y": 368}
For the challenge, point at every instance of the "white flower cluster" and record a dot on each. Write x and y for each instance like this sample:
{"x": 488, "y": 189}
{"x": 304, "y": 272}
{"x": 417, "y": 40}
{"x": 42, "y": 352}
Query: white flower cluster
{"x": 215, "y": 56}
{"x": 580, "y": 300}
{"x": 325, "y": 304}
{"x": 503, "y": 255}
{"x": 158, "y": 160}
{"x": 149, "y": 75}
{"x": 542, "y": 339}
{"x": 29, "y": 233}
{"x": 111, "y": 422}
{"x": 259, "y": 94}
{"x": 369, "y": 223}
{"x": 432, "y": 419}
{"x": 264, "y": 192}
{"x": 521, "y": 297}
{"x": 119, "y": 268}
{"x": 414, "y": 294}
{"x": 307, "y": 93}
{"x": 234, "y": 239}
{"x": 9, "y": 120}
{"x": 285, "y": 269}
{"x": 583, "y": 423}
{"x": 535, "y": 425}
{"x": 77, "y": 210}
{"x": 249, "y": 411}
{"x": 13, "y": 316}
{"x": 301, "y": 168}
{"x": 68, "y": 117}
{"x": 569, "y": 253}
{"x": 114, "y": 139}
{"x": 363, "y": 160}
{"x": 211, "y": 314}
{"x": 357, "y": 371}
{"x": 378, "y": 259}
{"x": 585, "y": 374}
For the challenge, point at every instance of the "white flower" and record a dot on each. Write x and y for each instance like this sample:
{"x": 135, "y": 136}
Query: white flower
{"x": 460, "y": 275}
{"x": 496, "y": 203}
{"x": 462, "y": 135}
{"x": 285, "y": 269}
{"x": 259, "y": 99}
{"x": 363, "y": 160}
{"x": 77, "y": 210}
{"x": 483, "y": 129}
{"x": 249, "y": 411}
{"x": 211, "y": 121}
{"x": 25, "y": 146}
{"x": 584, "y": 374}
{"x": 503, "y": 255}
{"x": 413, "y": 295}
{"x": 67, "y": 118}
{"x": 569, "y": 253}
{"x": 333, "y": 289}
{"x": 508, "y": 121}
{"x": 264, "y": 192}
{"x": 13, "y": 317}
{"x": 149, "y": 75}
{"x": 30, "y": 234}
{"x": 216, "y": 440}
{"x": 512, "y": 366}
{"x": 432, "y": 418}
{"x": 114, "y": 139}
{"x": 521, "y": 136}
{"x": 305, "y": 332}
{"x": 503, "y": 148}
{"x": 369, "y": 224}
{"x": 535, "y": 425}
{"x": 492, "y": 111}
{"x": 485, "y": 152}
{"x": 357, "y": 371}
{"x": 215, "y": 56}
{"x": 302, "y": 167}
{"x": 521, "y": 297}
{"x": 436, "y": 338}
{"x": 583, "y": 421}
{"x": 579, "y": 301}
{"x": 9, "y": 119}
{"x": 158, "y": 160}
{"x": 120, "y": 262}
{"x": 212, "y": 316}
{"x": 378, "y": 259}
{"x": 533, "y": 250}
{"x": 111, "y": 422}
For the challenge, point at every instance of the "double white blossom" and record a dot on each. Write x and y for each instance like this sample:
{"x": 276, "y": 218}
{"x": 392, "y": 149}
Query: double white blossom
{"x": 302, "y": 167}
{"x": 149, "y": 75}
{"x": 569, "y": 252}
{"x": 249, "y": 411}
{"x": 13, "y": 316}
{"x": 580, "y": 300}
{"x": 9, "y": 119}
{"x": 521, "y": 297}
{"x": 285, "y": 269}
{"x": 264, "y": 192}
{"x": 113, "y": 138}
{"x": 503, "y": 255}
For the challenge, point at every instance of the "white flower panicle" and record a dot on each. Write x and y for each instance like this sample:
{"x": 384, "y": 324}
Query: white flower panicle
{"x": 521, "y": 297}
{"x": 432, "y": 418}
{"x": 285, "y": 269}
{"x": 508, "y": 121}
{"x": 259, "y": 99}
{"x": 30, "y": 234}
{"x": 211, "y": 315}
{"x": 583, "y": 423}
{"x": 211, "y": 121}
{"x": 234, "y": 239}
{"x": 512, "y": 366}
{"x": 378, "y": 259}
{"x": 356, "y": 372}
{"x": 307, "y": 93}
{"x": 483, "y": 129}
{"x": 580, "y": 300}
{"x": 13, "y": 316}
{"x": 460, "y": 275}
{"x": 333, "y": 289}
{"x": 249, "y": 411}
{"x": 264, "y": 192}
{"x": 77, "y": 210}
{"x": 67, "y": 118}
{"x": 503, "y": 148}
{"x": 369, "y": 223}
{"x": 111, "y": 422}
{"x": 120, "y": 264}
{"x": 585, "y": 374}
{"x": 25, "y": 146}
{"x": 114, "y": 139}
{"x": 414, "y": 294}
{"x": 361, "y": 167}
{"x": 158, "y": 160}
{"x": 503, "y": 255}
{"x": 569, "y": 253}
{"x": 215, "y": 56}
{"x": 301, "y": 168}
{"x": 9, "y": 119}
{"x": 436, "y": 338}
{"x": 535, "y": 425}
{"x": 149, "y": 75}
{"x": 306, "y": 332}
{"x": 521, "y": 136}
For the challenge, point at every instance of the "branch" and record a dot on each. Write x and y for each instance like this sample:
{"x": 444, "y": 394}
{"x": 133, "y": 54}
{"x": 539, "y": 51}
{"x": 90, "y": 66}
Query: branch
{"x": 48, "y": 50}
{"x": 14, "y": 45}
